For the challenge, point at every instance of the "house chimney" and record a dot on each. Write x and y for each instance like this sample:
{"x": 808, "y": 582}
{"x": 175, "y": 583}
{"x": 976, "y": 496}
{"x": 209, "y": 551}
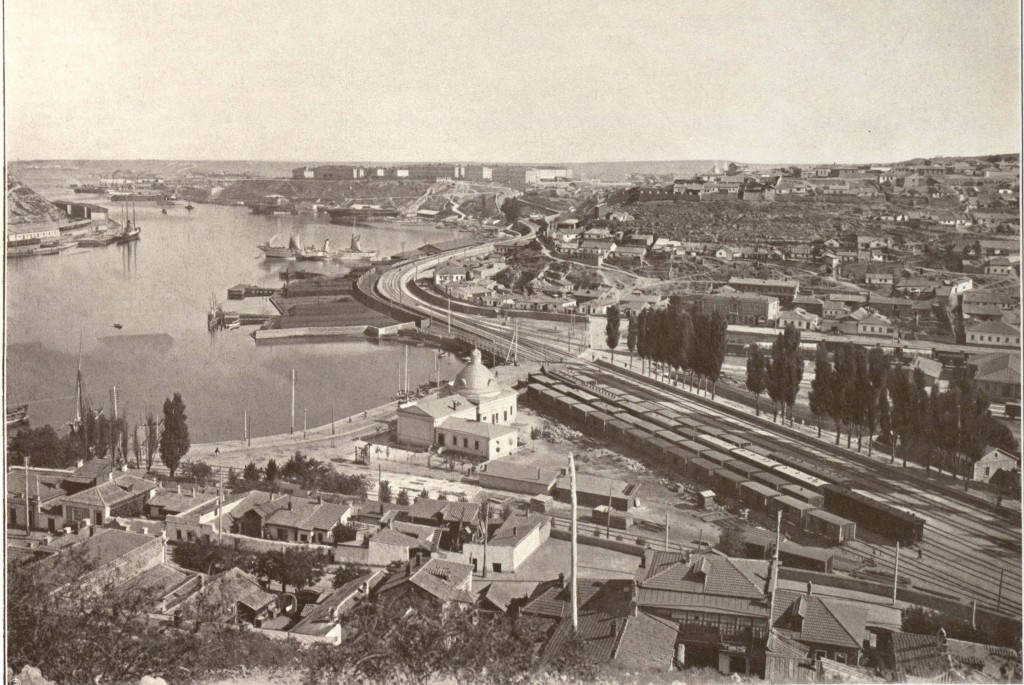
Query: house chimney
{"x": 110, "y": 475}
{"x": 79, "y": 464}
{"x": 561, "y": 580}
{"x": 810, "y": 588}
{"x": 192, "y": 491}
{"x": 419, "y": 558}
{"x": 145, "y": 530}
{"x": 124, "y": 468}
{"x": 319, "y": 499}
{"x": 179, "y": 488}
{"x": 289, "y": 505}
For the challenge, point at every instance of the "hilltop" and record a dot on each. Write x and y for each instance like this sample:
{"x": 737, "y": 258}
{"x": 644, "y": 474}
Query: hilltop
{"x": 26, "y": 206}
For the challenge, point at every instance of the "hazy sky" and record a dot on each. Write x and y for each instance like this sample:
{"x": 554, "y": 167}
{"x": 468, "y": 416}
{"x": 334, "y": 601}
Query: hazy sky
{"x": 553, "y": 81}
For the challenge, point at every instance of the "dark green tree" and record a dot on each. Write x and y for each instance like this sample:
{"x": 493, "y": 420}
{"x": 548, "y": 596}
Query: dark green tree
{"x": 402, "y": 498}
{"x": 631, "y": 334}
{"x": 757, "y": 381}
{"x": 385, "y": 494}
{"x": 820, "y": 397}
{"x": 611, "y": 331}
{"x": 174, "y": 442}
{"x": 271, "y": 471}
{"x": 251, "y": 473}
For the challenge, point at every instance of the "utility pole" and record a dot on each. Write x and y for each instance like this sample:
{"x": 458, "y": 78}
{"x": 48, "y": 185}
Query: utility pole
{"x": 575, "y": 595}
{"x": 774, "y": 571}
{"x": 248, "y": 432}
{"x": 28, "y": 509}
{"x": 292, "y": 429}
{"x": 332, "y": 418}
{"x": 245, "y": 425}
{"x": 999, "y": 598}
{"x": 487, "y": 518}
{"x": 896, "y": 574}
{"x": 220, "y": 500}
{"x": 449, "y": 315}
{"x": 666, "y": 531}
{"x": 304, "y": 423}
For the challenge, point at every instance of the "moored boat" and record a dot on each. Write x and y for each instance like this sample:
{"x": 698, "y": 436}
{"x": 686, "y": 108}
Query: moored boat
{"x": 273, "y": 251}
{"x": 273, "y": 204}
{"x": 343, "y": 215}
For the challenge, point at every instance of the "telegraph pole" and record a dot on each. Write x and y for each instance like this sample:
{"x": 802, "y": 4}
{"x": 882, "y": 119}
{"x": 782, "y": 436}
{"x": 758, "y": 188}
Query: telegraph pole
{"x": 896, "y": 574}
{"x": 303, "y": 423}
{"x": 332, "y": 418}
{"x": 245, "y": 425}
{"x": 28, "y": 508}
{"x": 575, "y": 591}
{"x": 292, "y": 429}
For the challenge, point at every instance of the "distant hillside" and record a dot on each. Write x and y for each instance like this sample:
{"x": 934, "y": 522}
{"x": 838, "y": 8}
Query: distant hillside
{"x": 312, "y": 191}
{"x": 25, "y": 206}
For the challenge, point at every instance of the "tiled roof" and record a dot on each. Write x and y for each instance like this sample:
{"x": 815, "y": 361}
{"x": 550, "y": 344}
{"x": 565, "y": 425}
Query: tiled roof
{"x": 820, "y": 620}
{"x": 307, "y": 514}
{"x": 551, "y": 600}
{"x": 993, "y": 327}
{"x": 930, "y": 367}
{"x": 321, "y": 619}
{"x": 647, "y": 643}
{"x": 598, "y": 632}
{"x": 174, "y": 501}
{"x": 156, "y": 581}
{"x": 707, "y": 574}
{"x": 1001, "y": 367}
{"x": 111, "y": 493}
{"x": 235, "y": 586}
{"x": 444, "y": 579}
{"x": 46, "y": 484}
{"x": 501, "y": 595}
{"x": 393, "y": 537}
{"x": 91, "y": 470}
{"x": 428, "y": 536}
{"x": 516, "y": 528}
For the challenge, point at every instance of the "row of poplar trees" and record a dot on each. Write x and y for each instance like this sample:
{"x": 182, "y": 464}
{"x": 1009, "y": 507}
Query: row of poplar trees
{"x": 778, "y": 373}
{"x": 673, "y": 339}
{"x": 861, "y": 391}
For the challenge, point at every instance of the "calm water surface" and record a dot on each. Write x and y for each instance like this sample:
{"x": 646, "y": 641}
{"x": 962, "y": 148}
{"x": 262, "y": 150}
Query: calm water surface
{"x": 162, "y": 285}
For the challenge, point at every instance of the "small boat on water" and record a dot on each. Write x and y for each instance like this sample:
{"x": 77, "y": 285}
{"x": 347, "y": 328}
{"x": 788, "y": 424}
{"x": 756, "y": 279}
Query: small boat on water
{"x": 131, "y": 230}
{"x": 311, "y": 254}
{"x": 17, "y": 415}
{"x": 189, "y": 207}
{"x": 271, "y": 250}
{"x": 342, "y": 215}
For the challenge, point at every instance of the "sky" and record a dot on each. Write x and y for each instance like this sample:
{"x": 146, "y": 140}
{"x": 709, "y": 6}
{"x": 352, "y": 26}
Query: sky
{"x": 759, "y": 82}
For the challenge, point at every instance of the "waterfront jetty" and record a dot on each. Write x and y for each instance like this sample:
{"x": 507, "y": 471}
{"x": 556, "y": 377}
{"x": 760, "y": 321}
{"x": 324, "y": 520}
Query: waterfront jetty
{"x": 242, "y": 291}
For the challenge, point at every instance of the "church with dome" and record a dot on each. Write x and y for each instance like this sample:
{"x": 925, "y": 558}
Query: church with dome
{"x": 473, "y": 416}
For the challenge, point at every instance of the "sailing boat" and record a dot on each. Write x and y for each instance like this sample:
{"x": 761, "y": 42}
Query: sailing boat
{"x": 403, "y": 380}
{"x": 189, "y": 207}
{"x": 131, "y": 230}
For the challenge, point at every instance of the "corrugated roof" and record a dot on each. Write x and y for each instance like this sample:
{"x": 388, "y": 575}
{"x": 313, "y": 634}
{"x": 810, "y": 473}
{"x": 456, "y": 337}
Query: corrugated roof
{"x": 502, "y": 469}
{"x": 647, "y": 643}
{"x": 993, "y": 327}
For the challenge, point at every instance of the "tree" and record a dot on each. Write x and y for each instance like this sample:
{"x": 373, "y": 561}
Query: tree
{"x": 151, "y": 440}
{"x": 631, "y": 334}
{"x": 384, "y": 494}
{"x": 732, "y": 544}
{"x": 794, "y": 367}
{"x": 251, "y": 473}
{"x": 843, "y": 373}
{"x": 642, "y": 337}
{"x": 878, "y": 378}
{"x": 424, "y": 494}
{"x": 174, "y": 443}
{"x": 300, "y": 568}
{"x": 820, "y": 397}
{"x": 403, "y": 498}
{"x": 756, "y": 380}
{"x": 43, "y": 447}
{"x": 270, "y": 471}
{"x": 198, "y": 472}
{"x": 862, "y": 396}
{"x": 611, "y": 330}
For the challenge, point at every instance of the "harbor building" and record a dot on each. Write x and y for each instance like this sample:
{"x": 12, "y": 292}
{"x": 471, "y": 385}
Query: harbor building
{"x": 473, "y": 416}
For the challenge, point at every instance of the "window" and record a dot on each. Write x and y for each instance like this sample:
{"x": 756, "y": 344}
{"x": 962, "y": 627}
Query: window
{"x": 986, "y": 471}
{"x": 820, "y": 654}
{"x": 304, "y": 538}
{"x": 841, "y": 657}
{"x": 440, "y": 439}
{"x": 465, "y": 442}
{"x": 504, "y": 415}
{"x": 455, "y": 441}
{"x": 497, "y": 567}
{"x": 476, "y": 445}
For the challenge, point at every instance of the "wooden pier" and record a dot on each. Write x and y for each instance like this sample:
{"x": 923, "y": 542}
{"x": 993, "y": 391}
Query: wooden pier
{"x": 242, "y": 291}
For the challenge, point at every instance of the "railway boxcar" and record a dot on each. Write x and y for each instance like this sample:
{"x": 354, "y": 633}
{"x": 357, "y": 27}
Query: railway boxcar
{"x": 876, "y": 516}
{"x": 803, "y": 494}
{"x": 599, "y": 420}
{"x": 746, "y": 470}
{"x": 761, "y": 543}
{"x": 763, "y": 463}
{"x": 800, "y": 478}
{"x": 771, "y": 480}
{"x": 835, "y": 529}
{"x": 717, "y": 457}
{"x": 734, "y": 439}
{"x": 757, "y": 495}
{"x": 727, "y": 482}
{"x": 793, "y": 510}
{"x": 701, "y": 469}
{"x": 680, "y": 459}
{"x": 714, "y": 442}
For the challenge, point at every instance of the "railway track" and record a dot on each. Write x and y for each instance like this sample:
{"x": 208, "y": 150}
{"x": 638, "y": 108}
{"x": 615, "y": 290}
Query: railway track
{"x": 970, "y": 553}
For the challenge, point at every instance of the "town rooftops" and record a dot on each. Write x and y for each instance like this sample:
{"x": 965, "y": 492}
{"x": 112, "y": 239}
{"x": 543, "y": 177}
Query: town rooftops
{"x": 104, "y": 546}
{"x": 517, "y": 528}
{"x": 387, "y": 536}
{"x": 45, "y": 483}
{"x": 179, "y": 500}
{"x": 235, "y": 586}
{"x": 483, "y": 429}
{"x": 450, "y": 269}
{"x": 930, "y": 367}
